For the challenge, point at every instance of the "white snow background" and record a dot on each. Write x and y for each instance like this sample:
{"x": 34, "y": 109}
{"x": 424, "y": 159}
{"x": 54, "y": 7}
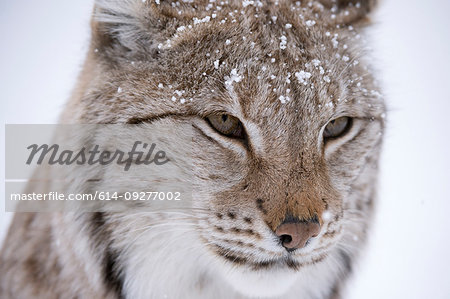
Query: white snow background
{"x": 43, "y": 45}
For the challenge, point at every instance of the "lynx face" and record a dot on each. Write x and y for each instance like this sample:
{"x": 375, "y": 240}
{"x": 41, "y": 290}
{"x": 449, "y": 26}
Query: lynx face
{"x": 285, "y": 117}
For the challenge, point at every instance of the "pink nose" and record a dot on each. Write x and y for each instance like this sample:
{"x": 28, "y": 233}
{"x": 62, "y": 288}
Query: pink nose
{"x": 294, "y": 235}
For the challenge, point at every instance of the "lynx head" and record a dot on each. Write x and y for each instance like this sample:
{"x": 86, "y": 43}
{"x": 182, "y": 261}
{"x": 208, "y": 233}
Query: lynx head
{"x": 285, "y": 117}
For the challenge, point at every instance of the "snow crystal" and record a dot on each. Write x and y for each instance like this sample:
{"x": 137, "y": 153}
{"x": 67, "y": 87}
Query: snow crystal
{"x": 181, "y": 28}
{"x": 288, "y": 26}
{"x": 310, "y": 23}
{"x": 326, "y": 79}
{"x": 234, "y": 77}
{"x": 119, "y": 90}
{"x": 316, "y": 62}
{"x": 334, "y": 41}
{"x": 326, "y": 216}
{"x": 227, "y": 42}
{"x": 302, "y": 76}
{"x": 345, "y": 58}
{"x": 288, "y": 80}
{"x": 204, "y": 20}
{"x": 216, "y": 64}
{"x": 246, "y": 3}
{"x": 160, "y": 85}
{"x": 272, "y": 60}
{"x": 174, "y": 99}
{"x": 283, "y": 42}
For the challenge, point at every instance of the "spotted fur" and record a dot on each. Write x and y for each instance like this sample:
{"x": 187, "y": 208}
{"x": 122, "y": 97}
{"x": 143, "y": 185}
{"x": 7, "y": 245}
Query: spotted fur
{"x": 284, "y": 69}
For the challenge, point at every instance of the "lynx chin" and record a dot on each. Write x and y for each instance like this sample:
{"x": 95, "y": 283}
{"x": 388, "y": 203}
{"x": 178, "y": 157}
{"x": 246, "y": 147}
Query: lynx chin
{"x": 272, "y": 117}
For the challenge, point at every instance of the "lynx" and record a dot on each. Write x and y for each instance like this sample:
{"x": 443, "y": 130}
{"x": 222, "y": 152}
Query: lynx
{"x": 285, "y": 122}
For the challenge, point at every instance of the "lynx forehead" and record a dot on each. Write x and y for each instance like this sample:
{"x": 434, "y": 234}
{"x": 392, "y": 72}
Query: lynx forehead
{"x": 269, "y": 52}
{"x": 285, "y": 124}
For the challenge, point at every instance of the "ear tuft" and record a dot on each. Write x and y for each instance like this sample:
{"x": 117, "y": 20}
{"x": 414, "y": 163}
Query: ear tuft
{"x": 349, "y": 11}
{"x": 122, "y": 23}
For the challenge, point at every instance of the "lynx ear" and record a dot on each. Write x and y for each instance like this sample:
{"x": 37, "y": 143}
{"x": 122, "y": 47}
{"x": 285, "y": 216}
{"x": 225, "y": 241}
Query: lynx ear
{"x": 125, "y": 26}
{"x": 345, "y": 12}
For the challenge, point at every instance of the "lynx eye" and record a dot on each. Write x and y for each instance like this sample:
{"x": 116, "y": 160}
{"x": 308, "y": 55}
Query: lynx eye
{"x": 337, "y": 127}
{"x": 227, "y": 125}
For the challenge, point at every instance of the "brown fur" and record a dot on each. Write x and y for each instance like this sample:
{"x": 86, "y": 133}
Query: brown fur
{"x": 247, "y": 188}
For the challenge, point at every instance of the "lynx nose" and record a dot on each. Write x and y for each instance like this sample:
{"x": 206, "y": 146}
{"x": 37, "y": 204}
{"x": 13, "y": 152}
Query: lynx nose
{"x": 294, "y": 234}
